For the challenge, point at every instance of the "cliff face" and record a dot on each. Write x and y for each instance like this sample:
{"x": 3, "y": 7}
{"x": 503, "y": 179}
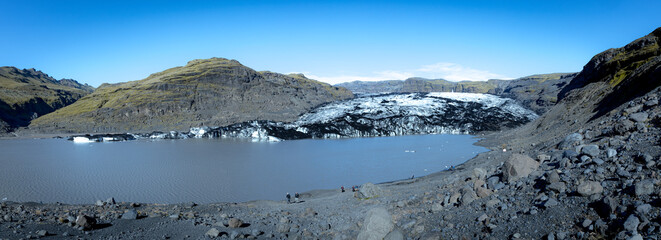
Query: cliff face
{"x": 621, "y": 73}
{"x": 27, "y": 94}
{"x": 209, "y": 92}
{"x": 607, "y": 83}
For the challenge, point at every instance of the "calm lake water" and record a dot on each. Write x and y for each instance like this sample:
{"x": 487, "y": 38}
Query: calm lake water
{"x": 215, "y": 170}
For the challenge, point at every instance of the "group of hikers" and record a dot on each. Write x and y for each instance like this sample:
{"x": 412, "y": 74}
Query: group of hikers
{"x": 353, "y": 188}
{"x": 296, "y": 197}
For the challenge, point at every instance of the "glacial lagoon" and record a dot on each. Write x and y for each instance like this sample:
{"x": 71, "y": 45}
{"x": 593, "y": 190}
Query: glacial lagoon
{"x": 215, "y": 170}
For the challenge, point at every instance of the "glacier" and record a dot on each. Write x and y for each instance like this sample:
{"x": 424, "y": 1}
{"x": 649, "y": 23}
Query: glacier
{"x": 389, "y": 114}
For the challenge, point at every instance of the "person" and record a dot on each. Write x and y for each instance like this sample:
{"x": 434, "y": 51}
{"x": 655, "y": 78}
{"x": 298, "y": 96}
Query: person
{"x": 353, "y": 188}
{"x": 288, "y": 198}
{"x": 296, "y": 196}
{"x": 342, "y": 188}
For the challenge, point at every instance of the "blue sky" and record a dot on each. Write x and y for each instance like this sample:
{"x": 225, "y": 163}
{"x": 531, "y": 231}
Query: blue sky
{"x": 116, "y": 41}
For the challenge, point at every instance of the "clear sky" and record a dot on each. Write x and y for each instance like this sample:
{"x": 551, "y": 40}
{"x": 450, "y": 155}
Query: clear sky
{"x": 334, "y": 41}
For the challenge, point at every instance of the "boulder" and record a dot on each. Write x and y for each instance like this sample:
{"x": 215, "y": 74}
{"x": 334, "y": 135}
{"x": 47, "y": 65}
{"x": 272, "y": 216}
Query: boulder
{"x": 234, "y": 223}
{"x": 468, "y": 196}
{"x": 479, "y": 173}
{"x": 518, "y": 166}
{"x": 483, "y": 192}
{"x": 377, "y": 224}
{"x": 85, "y": 222}
{"x": 213, "y": 233}
{"x": 589, "y": 188}
{"x": 369, "y": 190}
{"x": 130, "y": 214}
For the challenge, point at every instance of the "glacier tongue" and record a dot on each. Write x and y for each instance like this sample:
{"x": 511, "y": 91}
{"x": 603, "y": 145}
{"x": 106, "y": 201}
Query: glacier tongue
{"x": 381, "y": 115}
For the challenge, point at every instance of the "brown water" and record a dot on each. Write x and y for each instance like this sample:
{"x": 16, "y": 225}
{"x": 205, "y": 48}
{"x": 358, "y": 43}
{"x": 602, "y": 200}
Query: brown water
{"x": 215, "y": 170}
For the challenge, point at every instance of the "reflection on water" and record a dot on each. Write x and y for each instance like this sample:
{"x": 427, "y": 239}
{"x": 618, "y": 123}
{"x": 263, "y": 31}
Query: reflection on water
{"x": 215, "y": 170}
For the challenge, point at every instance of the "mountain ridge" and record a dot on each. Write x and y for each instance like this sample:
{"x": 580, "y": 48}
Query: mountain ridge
{"x": 29, "y": 93}
{"x": 204, "y": 92}
{"x": 536, "y": 92}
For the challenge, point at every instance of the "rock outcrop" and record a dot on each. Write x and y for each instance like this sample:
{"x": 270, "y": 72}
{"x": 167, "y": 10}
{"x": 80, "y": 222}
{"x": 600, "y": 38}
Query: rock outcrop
{"x": 208, "y": 92}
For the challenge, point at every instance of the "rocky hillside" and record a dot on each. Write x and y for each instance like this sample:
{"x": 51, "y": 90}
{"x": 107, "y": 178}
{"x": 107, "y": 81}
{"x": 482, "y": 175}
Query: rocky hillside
{"x": 536, "y": 92}
{"x": 27, "y": 94}
{"x": 208, "y": 92}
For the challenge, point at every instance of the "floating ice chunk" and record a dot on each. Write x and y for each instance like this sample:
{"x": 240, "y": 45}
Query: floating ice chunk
{"x": 82, "y": 140}
{"x": 199, "y": 132}
{"x": 109, "y": 139}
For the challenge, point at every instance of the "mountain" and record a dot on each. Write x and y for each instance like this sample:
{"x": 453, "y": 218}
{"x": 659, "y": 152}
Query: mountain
{"x": 207, "y": 92}
{"x": 536, "y": 92}
{"x": 27, "y": 94}
{"x": 604, "y": 89}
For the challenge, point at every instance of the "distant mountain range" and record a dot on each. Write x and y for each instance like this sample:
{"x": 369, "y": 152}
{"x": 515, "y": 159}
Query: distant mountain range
{"x": 27, "y": 94}
{"x": 206, "y": 92}
{"x": 221, "y": 92}
{"x": 536, "y": 92}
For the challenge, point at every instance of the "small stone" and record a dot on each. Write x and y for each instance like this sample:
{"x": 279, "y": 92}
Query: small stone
{"x": 589, "y": 188}
{"x": 130, "y": 214}
{"x": 483, "y": 192}
{"x": 552, "y": 177}
{"x": 590, "y": 150}
{"x": 283, "y": 228}
{"x": 631, "y": 224}
{"x": 492, "y": 203}
{"x": 395, "y": 234}
{"x": 213, "y": 233}
{"x": 639, "y": 117}
{"x": 110, "y": 201}
{"x": 436, "y": 207}
{"x": 256, "y": 232}
{"x": 516, "y": 235}
{"x": 645, "y": 187}
{"x": 598, "y": 161}
{"x": 643, "y": 209}
{"x": 479, "y": 173}
{"x": 482, "y": 217}
{"x": 234, "y": 235}
{"x": 377, "y": 224}
{"x": 559, "y": 187}
{"x": 586, "y": 223}
{"x": 42, "y": 233}
{"x": 551, "y": 202}
{"x": 570, "y": 140}
{"x": 611, "y": 153}
{"x": 234, "y": 223}
{"x": 561, "y": 235}
{"x": 543, "y": 157}
{"x": 636, "y": 237}
{"x": 174, "y": 216}
{"x": 7, "y": 218}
